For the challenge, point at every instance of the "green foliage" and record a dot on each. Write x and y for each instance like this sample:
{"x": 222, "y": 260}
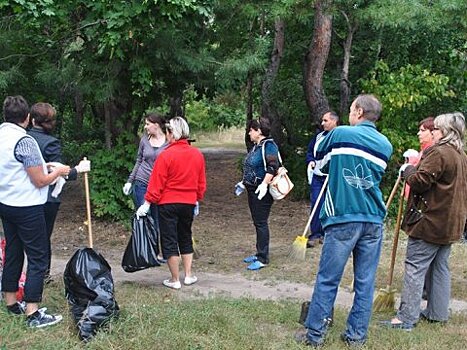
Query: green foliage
{"x": 110, "y": 170}
{"x": 211, "y": 114}
{"x": 296, "y": 167}
{"x": 406, "y": 93}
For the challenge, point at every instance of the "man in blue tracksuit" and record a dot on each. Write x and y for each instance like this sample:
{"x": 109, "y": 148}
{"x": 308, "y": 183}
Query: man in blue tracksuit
{"x": 355, "y": 157}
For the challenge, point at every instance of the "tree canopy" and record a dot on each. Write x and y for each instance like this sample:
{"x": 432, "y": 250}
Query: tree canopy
{"x": 103, "y": 64}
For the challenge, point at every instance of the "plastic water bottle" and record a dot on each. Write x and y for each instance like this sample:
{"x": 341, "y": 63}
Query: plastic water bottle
{"x": 239, "y": 189}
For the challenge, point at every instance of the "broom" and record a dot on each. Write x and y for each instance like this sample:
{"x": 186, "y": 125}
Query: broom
{"x": 385, "y": 299}
{"x": 351, "y": 287}
{"x": 298, "y": 249}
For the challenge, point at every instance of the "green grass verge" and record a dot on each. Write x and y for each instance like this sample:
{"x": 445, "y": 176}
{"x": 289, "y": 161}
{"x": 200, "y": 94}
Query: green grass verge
{"x": 151, "y": 319}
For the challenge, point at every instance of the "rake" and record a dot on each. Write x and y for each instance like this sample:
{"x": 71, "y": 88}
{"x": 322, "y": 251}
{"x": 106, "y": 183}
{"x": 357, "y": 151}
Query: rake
{"x": 298, "y": 249}
{"x": 385, "y": 299}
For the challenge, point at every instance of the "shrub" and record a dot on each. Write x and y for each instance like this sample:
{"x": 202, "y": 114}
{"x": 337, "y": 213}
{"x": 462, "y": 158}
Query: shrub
{"x": 110, "y": 170}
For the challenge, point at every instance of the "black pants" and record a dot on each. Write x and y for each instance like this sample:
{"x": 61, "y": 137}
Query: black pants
{"x": 260, "y": 210}
{"x": 50, "y": 212}
{"x": 24, "y": 233}
{"x": 175, "y": 229}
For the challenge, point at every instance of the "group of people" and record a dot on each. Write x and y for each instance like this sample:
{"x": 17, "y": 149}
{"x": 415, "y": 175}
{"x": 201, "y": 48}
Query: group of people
{"x": 354, "y": 159}
{"x": 31, "y": 176}
{"x": 168, "y": 181}
{"x": 352, "y": 211}
{"x": 168, "y": 185}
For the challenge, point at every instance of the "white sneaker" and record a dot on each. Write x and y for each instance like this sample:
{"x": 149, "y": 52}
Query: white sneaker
{"x": 173, "y": 285}
{"x": 190, "y": 280}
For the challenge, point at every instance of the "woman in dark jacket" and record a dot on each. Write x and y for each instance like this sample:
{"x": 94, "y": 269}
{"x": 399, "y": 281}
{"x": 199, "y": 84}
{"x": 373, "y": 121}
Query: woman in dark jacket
{"x": 43, "y": 117}
{"x": 435, "y": 218}
{"x": 259, "y": 168}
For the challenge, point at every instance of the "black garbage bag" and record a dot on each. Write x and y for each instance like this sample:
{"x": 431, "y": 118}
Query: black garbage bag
{"x": 143, "y": 248}
{"x": 89, "y": 289}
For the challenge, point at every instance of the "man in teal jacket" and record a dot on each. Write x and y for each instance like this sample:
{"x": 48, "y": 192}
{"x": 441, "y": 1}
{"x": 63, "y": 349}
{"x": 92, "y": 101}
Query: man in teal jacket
{"x": 355, "y": 157}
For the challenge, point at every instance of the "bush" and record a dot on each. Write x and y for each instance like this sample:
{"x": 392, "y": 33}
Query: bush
{"x": 110, "y": 170}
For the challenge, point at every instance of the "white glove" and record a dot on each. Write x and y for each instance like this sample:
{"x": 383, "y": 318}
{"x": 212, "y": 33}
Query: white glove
{"x": 127, "y": 188}
{"x": 239, "y": 188}
{"x": 309, "y": 171}
{"x": 143, "y": 210}
{"x": 262, "y": 190}
{"x": 196, "y": 209}
{"x": 84, "y": 166}
{"x": 411, "y": 156}
{"x": 410, "y": 153}
{"x": 58, "y": 186}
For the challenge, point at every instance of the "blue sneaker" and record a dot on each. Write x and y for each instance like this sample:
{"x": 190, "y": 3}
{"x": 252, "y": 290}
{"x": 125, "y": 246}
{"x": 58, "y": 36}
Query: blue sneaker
{"x": 256, "y": 266}
{"x": 250, "y": 259}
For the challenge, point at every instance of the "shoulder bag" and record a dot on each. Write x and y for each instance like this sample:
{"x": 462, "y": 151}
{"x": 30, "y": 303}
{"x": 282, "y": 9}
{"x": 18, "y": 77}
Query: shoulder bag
{"x": 281, "y": 184}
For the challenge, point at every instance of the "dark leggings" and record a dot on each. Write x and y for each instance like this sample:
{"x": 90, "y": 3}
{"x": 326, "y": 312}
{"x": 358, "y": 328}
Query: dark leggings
{"x": 24, "y": 233}
{"x": 175, "y": 229}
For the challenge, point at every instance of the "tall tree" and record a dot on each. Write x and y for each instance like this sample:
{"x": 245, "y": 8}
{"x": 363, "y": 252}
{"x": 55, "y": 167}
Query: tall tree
{"x": 267, "y": 107}
{"x": 316, "y": 58}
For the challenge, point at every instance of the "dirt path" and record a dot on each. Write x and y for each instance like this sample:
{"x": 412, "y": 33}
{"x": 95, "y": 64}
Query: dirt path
{"x": 224, "y": 234}
{"x": 232, "y": 285}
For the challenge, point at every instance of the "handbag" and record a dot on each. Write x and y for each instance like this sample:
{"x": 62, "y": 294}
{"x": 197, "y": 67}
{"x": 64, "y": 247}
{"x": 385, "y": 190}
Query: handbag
{"x": 281, "y": 184}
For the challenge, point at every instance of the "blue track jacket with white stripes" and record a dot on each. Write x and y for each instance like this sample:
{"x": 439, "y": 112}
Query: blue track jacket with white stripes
{"x": 355, "y": 157}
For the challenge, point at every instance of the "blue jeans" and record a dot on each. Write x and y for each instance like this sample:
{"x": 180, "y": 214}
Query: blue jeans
{"x": 25, "y": 232}
{"x": 364, "y": 241}
{"x": 139, "y": 190}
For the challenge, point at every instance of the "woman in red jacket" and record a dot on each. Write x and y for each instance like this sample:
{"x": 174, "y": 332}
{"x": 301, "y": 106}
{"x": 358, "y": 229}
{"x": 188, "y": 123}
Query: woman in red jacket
{"x": 177, "y": 183}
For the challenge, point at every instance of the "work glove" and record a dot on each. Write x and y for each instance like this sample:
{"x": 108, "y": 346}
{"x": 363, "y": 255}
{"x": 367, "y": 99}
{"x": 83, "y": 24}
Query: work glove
{"x": 262, "y": 190}
{"x": 309, "y": 171}
{"x": 239, "y": 188}
{"x": 84, "y": 166}
{"x": 127, "y": 188}
{"x": 196, "y": 209}
{"x": 411, "y": 156}
{"x": 143, "y": 210}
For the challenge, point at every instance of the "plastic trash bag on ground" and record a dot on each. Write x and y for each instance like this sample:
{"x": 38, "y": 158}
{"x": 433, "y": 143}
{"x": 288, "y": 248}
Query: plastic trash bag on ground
{"x": 143, "y": 248}
{"x": 89, "y": 289}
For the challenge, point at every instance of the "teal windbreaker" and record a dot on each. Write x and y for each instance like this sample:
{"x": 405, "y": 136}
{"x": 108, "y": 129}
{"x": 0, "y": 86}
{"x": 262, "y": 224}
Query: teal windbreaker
{"x": 355, "y": 158}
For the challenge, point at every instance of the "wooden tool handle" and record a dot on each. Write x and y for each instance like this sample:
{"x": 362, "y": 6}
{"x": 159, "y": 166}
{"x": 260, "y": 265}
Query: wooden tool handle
{"x": 393, "y": 192}
{"x": 88, "y": 208}
{"x": 395, "y": 240}
{"x": 315, "y": 207}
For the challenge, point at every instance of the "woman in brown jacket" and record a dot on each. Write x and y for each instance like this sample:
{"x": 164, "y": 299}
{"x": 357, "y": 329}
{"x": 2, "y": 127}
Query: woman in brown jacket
{"x": 435, "y": 218}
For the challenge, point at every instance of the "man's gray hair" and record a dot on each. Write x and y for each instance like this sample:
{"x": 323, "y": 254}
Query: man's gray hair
{"x": 371, "y": 106}
{"x": 179, "y": 128}
{"x": 452, "y": 126}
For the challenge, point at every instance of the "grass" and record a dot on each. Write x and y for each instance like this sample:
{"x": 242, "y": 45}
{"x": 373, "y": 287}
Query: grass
{"x": 231, "y": 138}
{"x": 155, "y": 320}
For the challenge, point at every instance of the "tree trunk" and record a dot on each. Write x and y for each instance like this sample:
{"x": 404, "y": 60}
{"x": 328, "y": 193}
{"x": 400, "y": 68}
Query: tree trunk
{"x": 267, "y": 107}
{"x": 345, "y": 86}
{"x": 315, "y": 60}
{"x": 176, "y": 104}
{"x": 249, "y": 109}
